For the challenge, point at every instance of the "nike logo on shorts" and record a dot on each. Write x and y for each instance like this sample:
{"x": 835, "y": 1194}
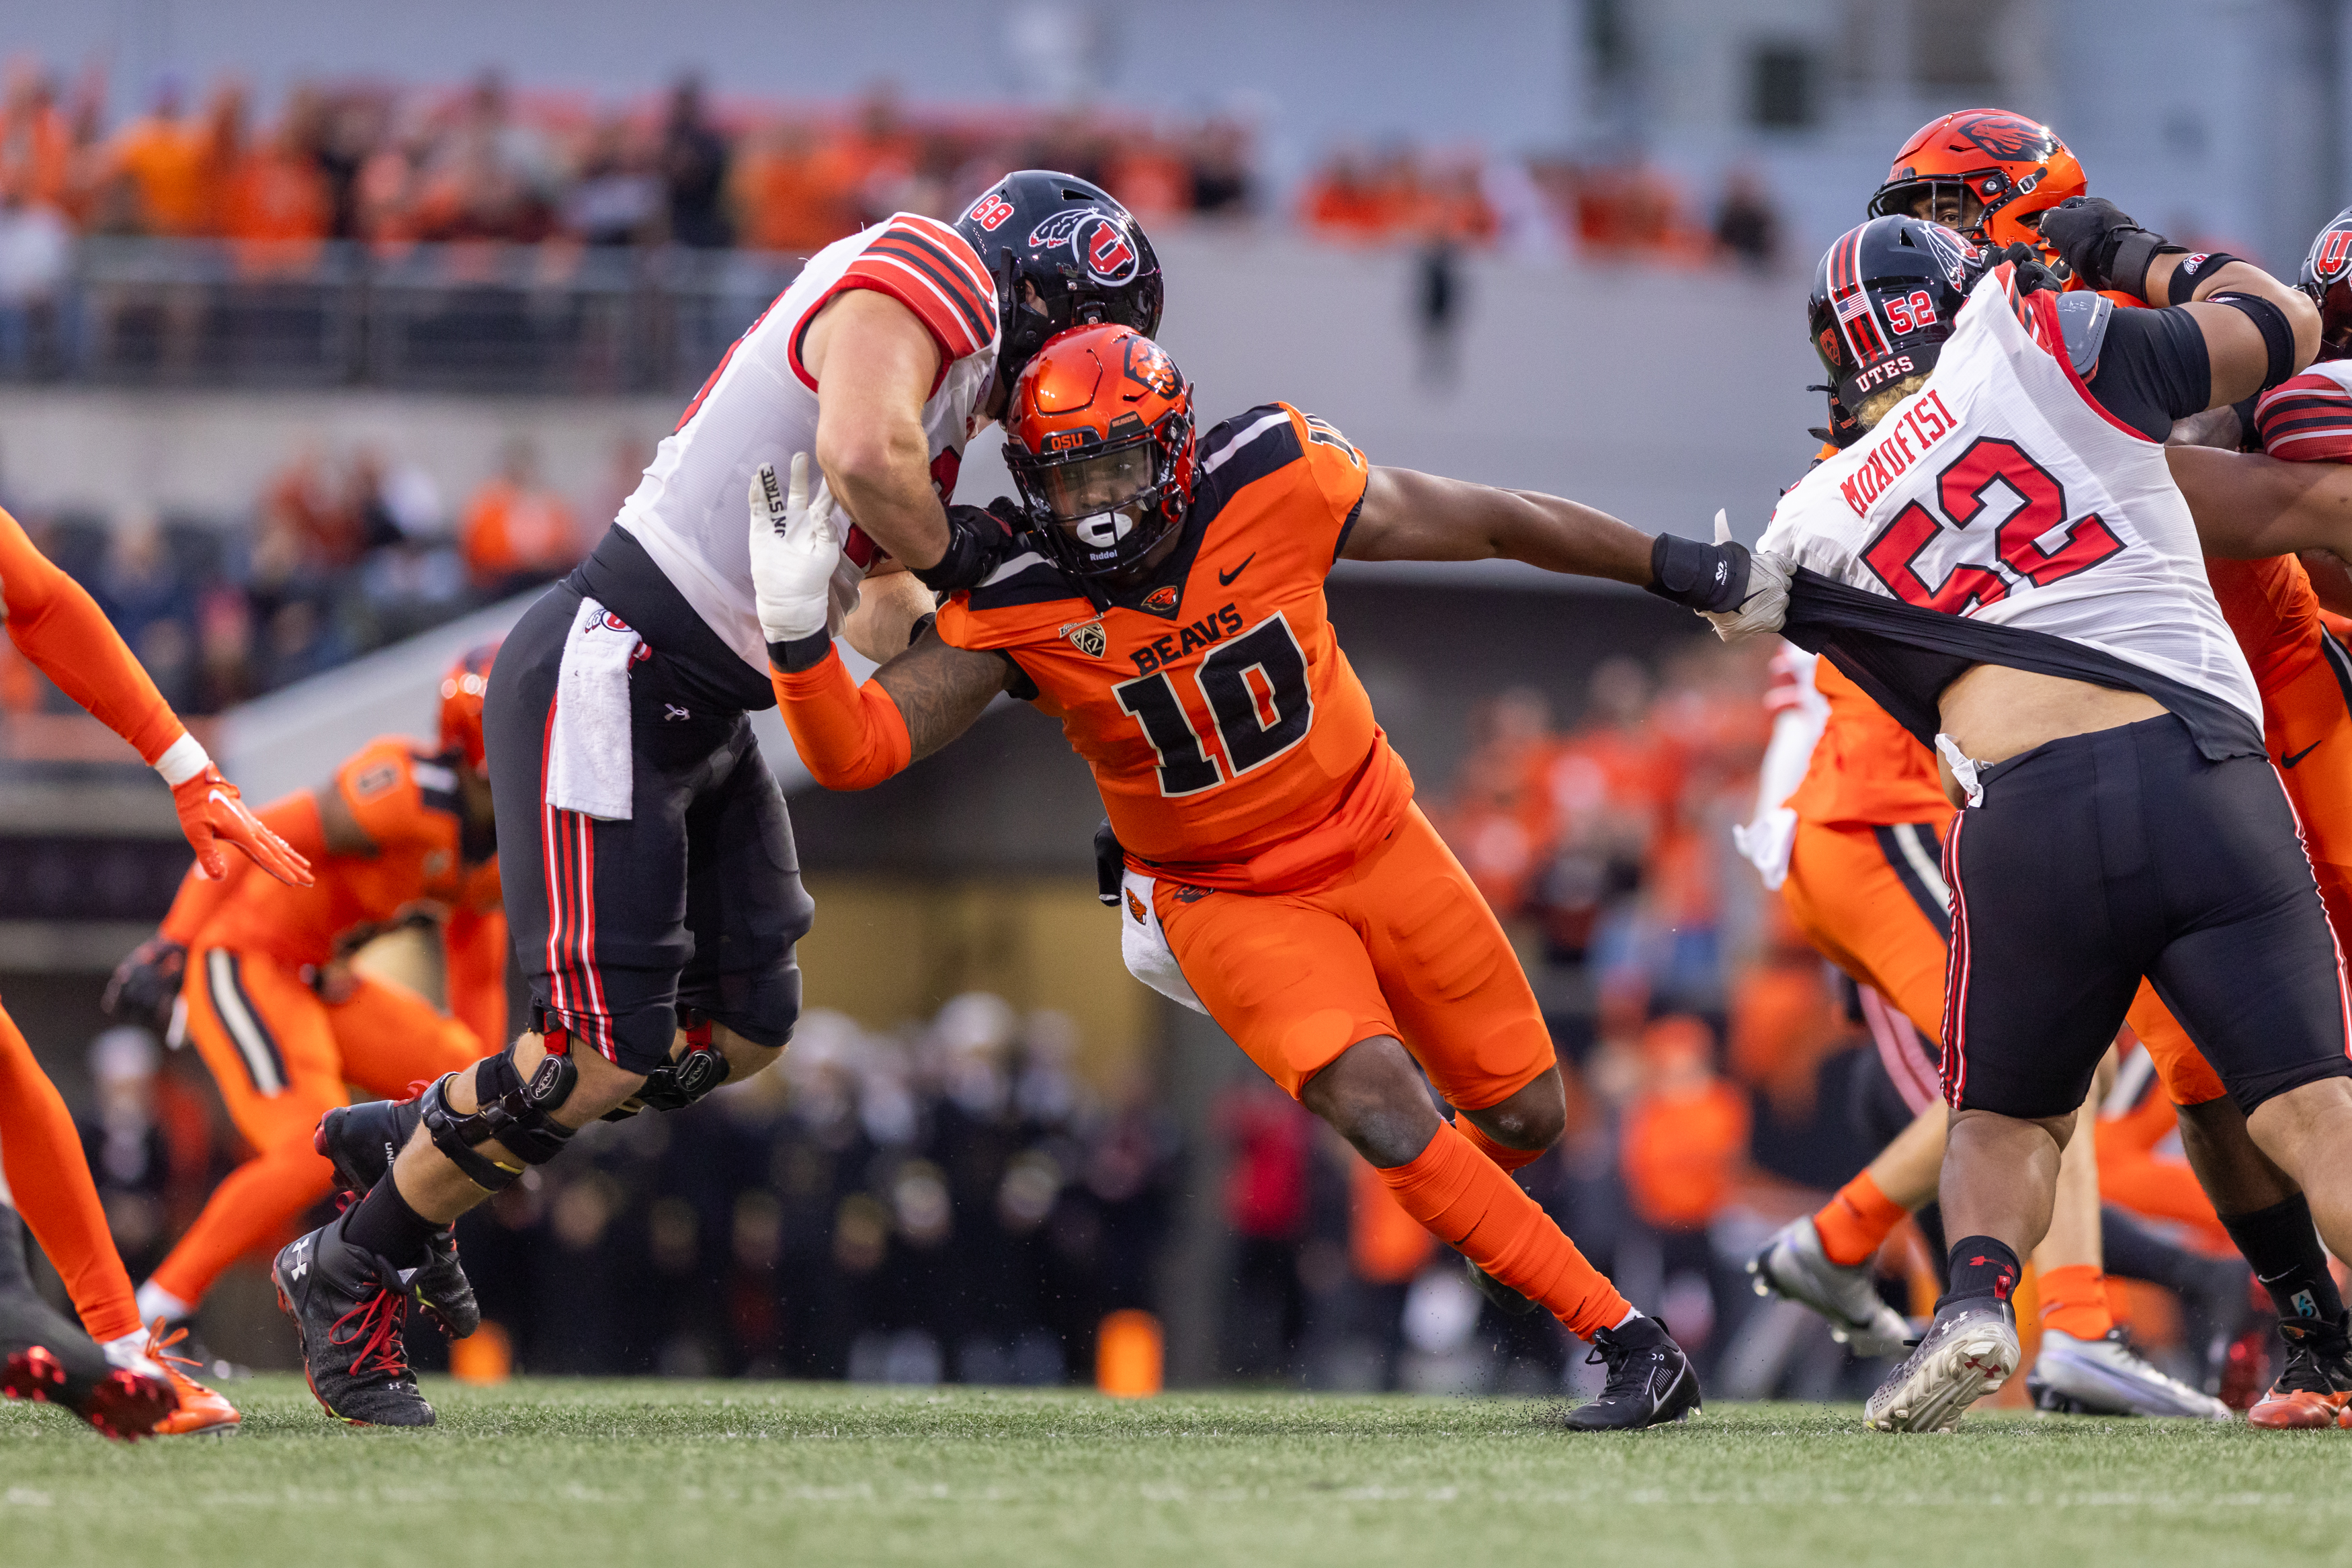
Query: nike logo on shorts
{"x": 2287, "y": 761}
{"x": 1225, "y": 579}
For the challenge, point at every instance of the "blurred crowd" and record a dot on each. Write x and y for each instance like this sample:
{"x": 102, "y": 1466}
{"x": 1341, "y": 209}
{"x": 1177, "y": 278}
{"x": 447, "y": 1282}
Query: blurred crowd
{"x": 392, "y": 164}
{"x": 949, "y": 1201}
{"x": 344, "y": 551}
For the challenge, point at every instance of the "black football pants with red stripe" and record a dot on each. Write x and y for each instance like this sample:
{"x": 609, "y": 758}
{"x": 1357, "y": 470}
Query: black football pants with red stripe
{"x": 2096, "y": 859}
{"x": 694, "y": 902}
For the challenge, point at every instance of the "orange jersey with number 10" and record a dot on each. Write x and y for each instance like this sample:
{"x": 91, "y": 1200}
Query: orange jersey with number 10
{"x": 1233, "y": 746}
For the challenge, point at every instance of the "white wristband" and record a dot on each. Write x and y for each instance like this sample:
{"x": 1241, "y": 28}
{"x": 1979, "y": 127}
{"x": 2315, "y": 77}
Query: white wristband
{"x": 183, "y": 760}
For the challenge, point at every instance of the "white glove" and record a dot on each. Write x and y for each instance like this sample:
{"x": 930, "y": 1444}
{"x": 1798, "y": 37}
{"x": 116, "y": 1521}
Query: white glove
{"x": 1766, "y": 604}
{"x": 794, "y": 549}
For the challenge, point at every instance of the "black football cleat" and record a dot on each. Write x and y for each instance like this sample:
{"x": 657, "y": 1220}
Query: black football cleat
{"x": 351, "y": 1311}
{"x": 44, "y": 1358}
{"x": 1650, "y": 1381}
{"x": 361, "y": 1142}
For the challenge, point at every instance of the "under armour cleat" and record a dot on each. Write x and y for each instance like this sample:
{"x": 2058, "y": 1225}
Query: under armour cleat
{"x": 202, "y": 1409}
{"x": 47, "y": 1358}
{"x": 2106, "y": 1376}
{"x": 361, "y": 1142}
{"x": 1792, "y": 1265}
{"x": 1970, "y": 1350}
{"x": 352, "y": 1310}
{"x": 1650, "y": 1381}
{"x": 2316, "y": 1388}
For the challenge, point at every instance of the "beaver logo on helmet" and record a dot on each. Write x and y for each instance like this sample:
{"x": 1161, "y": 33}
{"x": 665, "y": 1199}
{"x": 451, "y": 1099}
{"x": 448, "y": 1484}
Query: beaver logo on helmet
{"x": 2008, "y": 138}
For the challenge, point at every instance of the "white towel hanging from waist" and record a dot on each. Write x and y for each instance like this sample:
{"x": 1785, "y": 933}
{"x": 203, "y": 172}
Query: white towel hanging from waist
{"x": 591, "y": 764}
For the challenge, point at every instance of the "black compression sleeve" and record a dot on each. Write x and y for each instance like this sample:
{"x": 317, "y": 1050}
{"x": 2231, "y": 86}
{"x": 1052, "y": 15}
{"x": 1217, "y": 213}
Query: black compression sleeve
{"x": 2152, "y": 370}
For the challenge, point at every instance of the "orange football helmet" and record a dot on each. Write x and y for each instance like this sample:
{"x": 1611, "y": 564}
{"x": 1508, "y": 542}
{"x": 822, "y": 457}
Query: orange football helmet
{"x": 1986, "y": 172}
{"x": 461, "y": 704}
{"x": 1099, "y": 442}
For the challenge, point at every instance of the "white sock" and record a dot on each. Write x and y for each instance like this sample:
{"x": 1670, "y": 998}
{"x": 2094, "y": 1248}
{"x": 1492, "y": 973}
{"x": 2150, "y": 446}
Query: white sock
{"x": 1631, "y": 1313}
{"x": 154, "y": 1301}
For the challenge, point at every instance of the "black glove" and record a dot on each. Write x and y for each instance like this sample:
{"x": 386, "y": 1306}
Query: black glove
{"x": 2032, "y": 269}
{"x": 1703, "y": 577}
{"x": 1111, "y": 864}
{"x": 2102, "y": 245}
{"x": 147, "y": 984}
{"x": 979, "y": 538}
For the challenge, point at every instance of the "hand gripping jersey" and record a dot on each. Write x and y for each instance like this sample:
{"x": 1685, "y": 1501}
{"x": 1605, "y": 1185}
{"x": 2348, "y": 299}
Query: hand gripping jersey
{"x": 1233, "y": 746}
{"x": 407, "y": 800}
{"x": 760, "y": 406}
{"x": 1999, "y": 514}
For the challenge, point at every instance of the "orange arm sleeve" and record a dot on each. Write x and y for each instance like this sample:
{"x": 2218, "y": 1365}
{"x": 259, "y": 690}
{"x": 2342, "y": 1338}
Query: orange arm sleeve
{"x": 474, "y": 947}
{"x": 294, "y": 819}
{"x": 59, "y": 627}
{"x": 851, "y": 737}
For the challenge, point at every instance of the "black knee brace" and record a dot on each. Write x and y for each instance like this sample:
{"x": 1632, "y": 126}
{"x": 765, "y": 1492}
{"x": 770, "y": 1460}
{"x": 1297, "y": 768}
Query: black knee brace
{"x": 513, "y": 1113}
{"x": 698, "y": 1069}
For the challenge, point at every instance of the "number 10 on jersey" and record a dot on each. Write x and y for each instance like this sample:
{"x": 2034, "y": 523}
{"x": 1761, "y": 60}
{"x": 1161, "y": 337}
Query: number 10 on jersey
{"x": 1256, "y": 692}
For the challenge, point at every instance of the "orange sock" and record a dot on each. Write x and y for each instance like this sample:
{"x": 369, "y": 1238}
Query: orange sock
{"x": 1856, "y": 1221}
{"x": 42, "y": 1154}
{"x": 2074, "y": 1301}
{"x": 1503, "y": 1154}
{"x": 248, "y": 1209}
{"x": 1468, "y": 1202}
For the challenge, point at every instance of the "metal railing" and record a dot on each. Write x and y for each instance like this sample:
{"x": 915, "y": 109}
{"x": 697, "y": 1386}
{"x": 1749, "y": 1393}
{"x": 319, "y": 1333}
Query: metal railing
{"x": 476, "y": 318}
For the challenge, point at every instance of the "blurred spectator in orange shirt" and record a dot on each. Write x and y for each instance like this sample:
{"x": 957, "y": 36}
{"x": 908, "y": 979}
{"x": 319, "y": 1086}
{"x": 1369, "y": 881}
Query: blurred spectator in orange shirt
{"x": 1345, "y": 203}
{"x": 1496, "y": 822}
{"x": 1149, "y": 176}
{"x": 1685, "y": 1133}
{"x": 167, "y": 159}
{"x": 276, "y": 205}
{"x": 789, "y": 197}
{"x": 516, "y": 533}
{"x": 36, "y": 144}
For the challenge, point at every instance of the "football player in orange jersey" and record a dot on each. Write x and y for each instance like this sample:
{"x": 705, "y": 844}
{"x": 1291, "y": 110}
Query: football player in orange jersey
{"x": 1170, "y": 612}
{"x": 283, "y": 1022}
{"x": 1995, "y": 174}
{"x": 111, "y": 1376}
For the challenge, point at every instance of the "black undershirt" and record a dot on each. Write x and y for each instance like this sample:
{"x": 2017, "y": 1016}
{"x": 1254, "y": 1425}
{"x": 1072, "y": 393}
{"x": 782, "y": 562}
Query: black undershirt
{"x": 2152, "y": 370}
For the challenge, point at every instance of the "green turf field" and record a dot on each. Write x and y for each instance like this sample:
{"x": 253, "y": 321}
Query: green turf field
{"x": 572, "y": 1474}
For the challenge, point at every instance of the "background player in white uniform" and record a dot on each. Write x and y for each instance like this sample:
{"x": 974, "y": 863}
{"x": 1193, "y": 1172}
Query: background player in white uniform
{"x": 648, "y": 863}
{"x": 2009, "y": 570}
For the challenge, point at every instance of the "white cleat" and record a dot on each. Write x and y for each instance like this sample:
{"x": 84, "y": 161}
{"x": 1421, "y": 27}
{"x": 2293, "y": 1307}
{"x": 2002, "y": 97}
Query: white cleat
{"x": 1792, "y": 1265}
{"x": 2107, "y": 1377}
{"x": 1970, "y": 1350}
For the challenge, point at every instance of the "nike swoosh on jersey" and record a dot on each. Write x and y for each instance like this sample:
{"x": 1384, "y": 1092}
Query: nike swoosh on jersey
{"x": 1225, "y": 579}
{"x": 2298, "y": 756}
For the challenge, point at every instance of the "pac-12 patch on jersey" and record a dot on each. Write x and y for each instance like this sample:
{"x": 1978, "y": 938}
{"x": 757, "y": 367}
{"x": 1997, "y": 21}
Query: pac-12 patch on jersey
{"x": 1087, "y": 636}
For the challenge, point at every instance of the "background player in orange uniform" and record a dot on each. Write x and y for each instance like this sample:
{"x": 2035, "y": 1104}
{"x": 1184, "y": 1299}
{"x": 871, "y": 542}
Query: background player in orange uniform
{"x": 281, "y": 1018}
{"x": 58, "y": 626}
{"x": 1170, "y": 612}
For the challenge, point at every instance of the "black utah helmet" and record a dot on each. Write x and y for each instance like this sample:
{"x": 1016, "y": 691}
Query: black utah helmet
{"x": 1882, "y": 305}
{"x": 1085, "y": 255}
{"x": 2327, "y": 278}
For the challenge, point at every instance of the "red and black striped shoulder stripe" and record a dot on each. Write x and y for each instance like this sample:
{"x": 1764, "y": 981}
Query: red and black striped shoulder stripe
{"x": 939, "y": 256}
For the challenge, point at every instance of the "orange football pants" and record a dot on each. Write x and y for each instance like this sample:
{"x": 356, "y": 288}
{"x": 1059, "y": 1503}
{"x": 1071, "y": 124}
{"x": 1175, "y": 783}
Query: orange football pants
{"x": 282, "y": 1055}
{"x": 1401, "y": 945}
{"x": 2307, "y": 726}
{"x": 1862, "y": 894}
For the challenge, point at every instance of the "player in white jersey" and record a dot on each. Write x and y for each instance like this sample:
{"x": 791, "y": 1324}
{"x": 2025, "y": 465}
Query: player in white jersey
{"x": 648, "y": 871}
{"x": 2001, "y": 558}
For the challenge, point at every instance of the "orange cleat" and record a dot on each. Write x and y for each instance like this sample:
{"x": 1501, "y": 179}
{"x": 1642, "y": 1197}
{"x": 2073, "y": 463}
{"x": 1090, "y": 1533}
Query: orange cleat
{"x": 2315, "y": 1389}
{"x": 202, "y": 1409}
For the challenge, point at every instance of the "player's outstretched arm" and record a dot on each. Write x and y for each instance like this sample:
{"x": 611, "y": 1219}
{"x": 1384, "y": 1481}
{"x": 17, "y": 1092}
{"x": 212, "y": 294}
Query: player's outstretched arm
{"x": 2249, "y": 507}
{"x": 874, "y": 363}
{"x": 55, "y": 625}
{"x": 1410, "y": 515}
